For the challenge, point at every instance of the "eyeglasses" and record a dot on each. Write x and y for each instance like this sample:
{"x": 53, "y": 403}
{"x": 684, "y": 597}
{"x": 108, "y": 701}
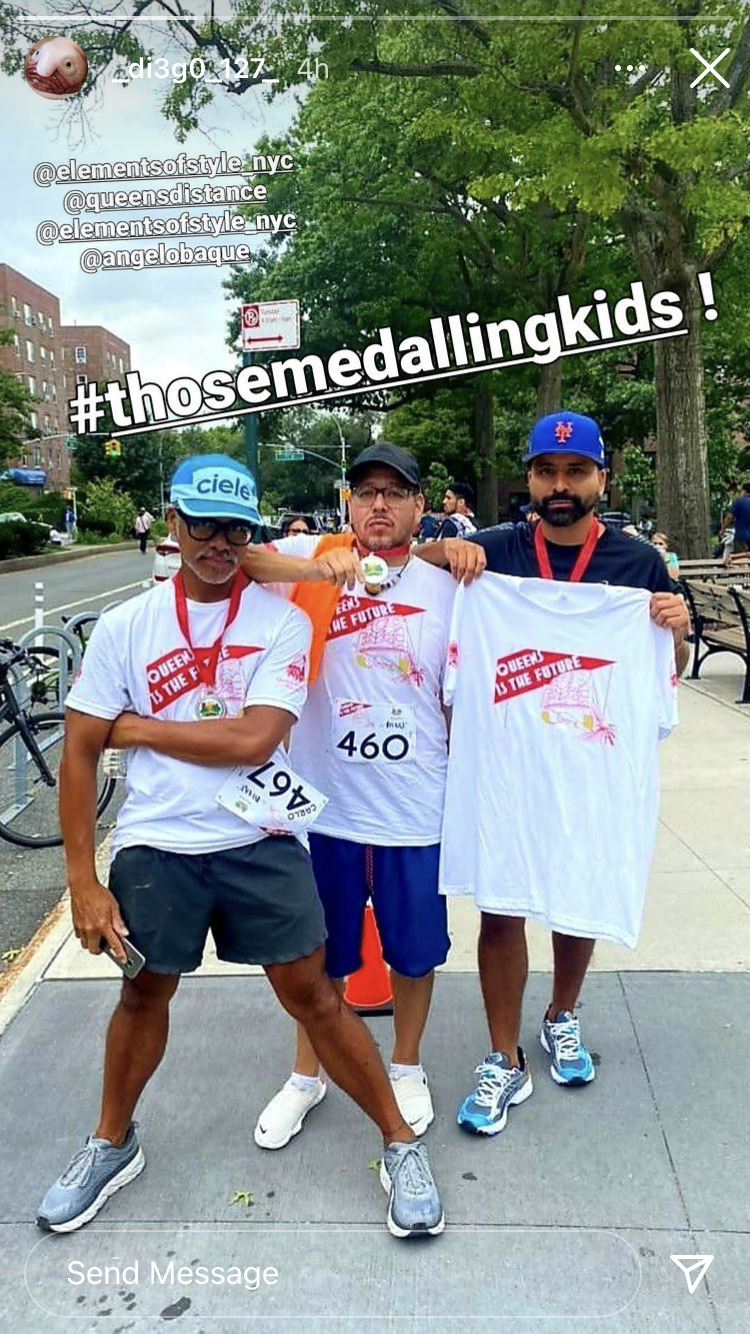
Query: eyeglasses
{"x": 392, "y": 495}
{"x": 237, "y": 533}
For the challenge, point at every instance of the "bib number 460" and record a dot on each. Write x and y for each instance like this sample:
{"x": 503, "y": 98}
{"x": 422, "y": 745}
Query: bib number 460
{"x": 392, "y": 747}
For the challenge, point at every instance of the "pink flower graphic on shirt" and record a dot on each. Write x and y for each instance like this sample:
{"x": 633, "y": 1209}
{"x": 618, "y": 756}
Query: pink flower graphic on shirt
{"x": 452, "y": 661}
{"x": 296, "y": 671}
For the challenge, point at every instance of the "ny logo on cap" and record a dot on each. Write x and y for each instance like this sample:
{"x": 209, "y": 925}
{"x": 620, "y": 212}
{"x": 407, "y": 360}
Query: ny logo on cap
{"x": 563, "y": 431}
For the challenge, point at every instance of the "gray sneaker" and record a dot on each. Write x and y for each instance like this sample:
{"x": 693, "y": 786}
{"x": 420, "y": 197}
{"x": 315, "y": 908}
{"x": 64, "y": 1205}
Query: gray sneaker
{"x": 92, "y": 1175}
{"x": 414, "y": 1207}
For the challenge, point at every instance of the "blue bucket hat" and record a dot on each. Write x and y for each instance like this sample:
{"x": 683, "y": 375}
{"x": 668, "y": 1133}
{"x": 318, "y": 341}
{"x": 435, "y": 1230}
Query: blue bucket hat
{"x": 213, "y": 486}
{"x": 566, "y": 433}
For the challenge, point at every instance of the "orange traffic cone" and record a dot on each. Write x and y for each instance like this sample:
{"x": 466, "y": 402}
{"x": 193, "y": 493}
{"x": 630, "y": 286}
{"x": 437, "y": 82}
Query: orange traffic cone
{"x": 368, "y": 991}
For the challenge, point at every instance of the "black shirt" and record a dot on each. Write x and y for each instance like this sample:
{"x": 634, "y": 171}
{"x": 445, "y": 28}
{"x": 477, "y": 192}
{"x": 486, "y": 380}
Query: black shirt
{"x": 617, "y": 558}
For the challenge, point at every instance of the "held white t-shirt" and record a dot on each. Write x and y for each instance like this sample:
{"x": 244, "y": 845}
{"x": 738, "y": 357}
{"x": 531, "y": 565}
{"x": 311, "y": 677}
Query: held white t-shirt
{"x": 373, "y": 734}
{"x": 561, "y": 693}
{"x": 137, "y": 660}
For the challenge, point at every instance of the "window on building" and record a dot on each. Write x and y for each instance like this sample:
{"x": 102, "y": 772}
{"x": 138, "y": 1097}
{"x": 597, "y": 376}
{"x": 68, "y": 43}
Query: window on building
{"x": 37, "y": 457}
{"x": 40, "y": 319}
{"x": 29, "y": 351}
{"x": 80, "y": 379}
{"x": 34, "y": 421}
{"x": 43, "y": 353}
{"x": 80, "y": 355}
{"x": 46, "y": 422}
{"x": 17, "y": 344}
{"x": 51, "y": 358}
{"x": 50, "y": 325}
{"x": 32, "y": 384}
{"x": 122, "y": 368}
{"x": 13, "y": 306}
{"x": 45, "y": 389}
{"x": 26, "y": 313}
{"x": 54, "y": 393}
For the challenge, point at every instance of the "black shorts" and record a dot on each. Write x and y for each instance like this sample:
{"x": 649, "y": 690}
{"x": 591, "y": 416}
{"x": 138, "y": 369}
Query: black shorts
{"x": 259, "y": 902}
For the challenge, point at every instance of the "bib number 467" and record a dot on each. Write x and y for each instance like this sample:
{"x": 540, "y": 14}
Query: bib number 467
{"x": 394, "y": 746}
{"x": 280, "y": 785}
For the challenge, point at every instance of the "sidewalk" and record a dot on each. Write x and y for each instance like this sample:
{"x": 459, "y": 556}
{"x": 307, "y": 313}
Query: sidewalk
{"x": 566, "y": 1221}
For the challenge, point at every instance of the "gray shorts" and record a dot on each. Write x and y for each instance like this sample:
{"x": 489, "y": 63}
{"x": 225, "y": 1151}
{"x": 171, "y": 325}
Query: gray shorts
{"x": 259, "y": 902}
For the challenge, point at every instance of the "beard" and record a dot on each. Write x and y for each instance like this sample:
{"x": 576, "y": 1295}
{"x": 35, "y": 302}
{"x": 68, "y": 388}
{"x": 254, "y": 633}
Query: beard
{"x": 564, "y": 517}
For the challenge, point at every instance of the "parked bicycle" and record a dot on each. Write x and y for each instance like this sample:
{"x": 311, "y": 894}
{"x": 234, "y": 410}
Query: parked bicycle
{"x": 30, "y": 751}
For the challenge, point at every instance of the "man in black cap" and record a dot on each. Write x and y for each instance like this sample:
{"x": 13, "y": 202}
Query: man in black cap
{"x": 374, "y": 738}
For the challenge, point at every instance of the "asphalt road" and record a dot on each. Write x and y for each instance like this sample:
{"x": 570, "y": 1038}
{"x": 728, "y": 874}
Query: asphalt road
{"x": 32, "y": 880}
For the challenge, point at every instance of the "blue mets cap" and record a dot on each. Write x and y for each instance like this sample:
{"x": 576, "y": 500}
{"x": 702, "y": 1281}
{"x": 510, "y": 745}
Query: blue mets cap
{"x": 213, "y": 486}
{"x": 566, "y": 433}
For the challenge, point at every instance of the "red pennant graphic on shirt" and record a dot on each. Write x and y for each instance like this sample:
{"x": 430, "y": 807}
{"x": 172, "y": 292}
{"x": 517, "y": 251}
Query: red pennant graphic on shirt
{"x": 353, "y": 614}
{"x": 175, "y": 673}
{"x": 533, "y": 669}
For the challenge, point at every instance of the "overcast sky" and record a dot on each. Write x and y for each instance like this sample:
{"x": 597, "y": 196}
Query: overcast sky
{"x": 174, "y": 320}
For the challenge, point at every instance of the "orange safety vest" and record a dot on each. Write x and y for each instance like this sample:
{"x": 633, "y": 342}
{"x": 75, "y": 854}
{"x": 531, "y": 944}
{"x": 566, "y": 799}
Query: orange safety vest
{"x": 319, "y": 600}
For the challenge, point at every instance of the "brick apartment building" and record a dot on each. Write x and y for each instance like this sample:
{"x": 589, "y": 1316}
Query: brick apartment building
{"x": 90, "y": 352}
{"x": 48, "y": 357}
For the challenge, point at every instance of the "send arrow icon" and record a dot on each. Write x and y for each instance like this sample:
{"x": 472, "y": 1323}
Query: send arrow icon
{"x": 693, "y": 1267}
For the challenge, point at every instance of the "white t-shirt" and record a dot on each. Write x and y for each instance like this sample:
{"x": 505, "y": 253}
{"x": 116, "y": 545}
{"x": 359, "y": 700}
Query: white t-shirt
{"x": 137, "y": 660}
{"x": 373, "y": 734}
{"x": 561, "y": 693}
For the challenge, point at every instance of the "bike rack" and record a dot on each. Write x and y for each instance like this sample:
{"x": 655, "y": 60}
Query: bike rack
{"x": 21, "y": 757}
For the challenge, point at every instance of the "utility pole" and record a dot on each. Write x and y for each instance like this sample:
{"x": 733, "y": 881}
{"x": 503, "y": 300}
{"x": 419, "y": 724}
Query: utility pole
{"x": 251, "y": 434}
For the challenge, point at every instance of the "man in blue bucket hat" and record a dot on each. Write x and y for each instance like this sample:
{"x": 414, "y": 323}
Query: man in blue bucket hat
{"x": 192, "y": 851}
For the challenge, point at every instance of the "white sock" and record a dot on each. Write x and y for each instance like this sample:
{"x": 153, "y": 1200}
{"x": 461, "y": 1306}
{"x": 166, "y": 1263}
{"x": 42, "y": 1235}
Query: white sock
{"x": 304, "y": 1082}
{"x": 398, "y": 1070}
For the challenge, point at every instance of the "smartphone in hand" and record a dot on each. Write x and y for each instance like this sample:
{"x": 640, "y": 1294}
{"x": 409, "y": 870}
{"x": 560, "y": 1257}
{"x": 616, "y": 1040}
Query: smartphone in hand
{"x": 135, "y": 960}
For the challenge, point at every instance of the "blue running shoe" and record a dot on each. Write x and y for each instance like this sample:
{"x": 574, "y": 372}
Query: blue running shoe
{"x": 571, "y": 1062}
{"x": 92, "y": 1175}
{"x": 501, "y": 1085}
{"x": 414, "y": 1207}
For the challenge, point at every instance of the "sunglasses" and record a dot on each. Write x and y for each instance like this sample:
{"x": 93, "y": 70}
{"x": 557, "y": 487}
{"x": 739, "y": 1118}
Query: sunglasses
{"x": 237, "y": 533}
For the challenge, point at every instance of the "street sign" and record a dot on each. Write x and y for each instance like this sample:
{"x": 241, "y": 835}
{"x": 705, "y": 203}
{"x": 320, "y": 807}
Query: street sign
{"x": 289, "y": 455}
{"x": 270, "y": 326}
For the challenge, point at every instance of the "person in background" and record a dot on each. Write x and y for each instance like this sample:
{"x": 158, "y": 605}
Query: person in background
{"x": 143, "y": 527}
{"x": 292, "y": 524}
{"x": 661, "y": 542}
{"x": 458, "y": 503}
{"x": 738, "y": 518}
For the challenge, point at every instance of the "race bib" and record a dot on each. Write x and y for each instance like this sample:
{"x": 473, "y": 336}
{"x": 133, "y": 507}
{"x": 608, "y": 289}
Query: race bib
{"x": 272, "y": 797}
{"x": 373, "y": 733}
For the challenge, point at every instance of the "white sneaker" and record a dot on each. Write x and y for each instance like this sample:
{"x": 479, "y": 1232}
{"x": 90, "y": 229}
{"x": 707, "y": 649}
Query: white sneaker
{"x": 412, "y": 1093}
{"x": 282, "y": 1119}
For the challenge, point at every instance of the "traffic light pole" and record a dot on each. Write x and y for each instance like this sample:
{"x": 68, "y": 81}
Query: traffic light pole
{"x": 251, "y": 433}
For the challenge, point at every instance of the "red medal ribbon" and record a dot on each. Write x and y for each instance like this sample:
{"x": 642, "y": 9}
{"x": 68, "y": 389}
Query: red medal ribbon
{"x": 388, "y": 552}
{"x": 206, "y": 666}
{"x": 584, "y": 555}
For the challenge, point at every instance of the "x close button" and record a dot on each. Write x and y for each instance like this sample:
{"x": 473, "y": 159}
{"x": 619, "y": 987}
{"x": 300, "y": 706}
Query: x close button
{"x": 710, "y": 66}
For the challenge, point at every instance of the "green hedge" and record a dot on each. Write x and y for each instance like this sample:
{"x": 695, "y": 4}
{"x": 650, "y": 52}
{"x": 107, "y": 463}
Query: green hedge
{"x": 21, "y": 539}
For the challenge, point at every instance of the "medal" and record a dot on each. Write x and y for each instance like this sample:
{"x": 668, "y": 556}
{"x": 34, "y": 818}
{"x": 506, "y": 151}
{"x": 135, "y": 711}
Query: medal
{"x": 209, "y": 704}
{"x": 375, "y": 571}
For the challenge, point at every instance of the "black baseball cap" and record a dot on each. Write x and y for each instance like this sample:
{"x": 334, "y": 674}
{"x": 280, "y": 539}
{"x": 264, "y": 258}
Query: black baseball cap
{"x": 391, "y": 456}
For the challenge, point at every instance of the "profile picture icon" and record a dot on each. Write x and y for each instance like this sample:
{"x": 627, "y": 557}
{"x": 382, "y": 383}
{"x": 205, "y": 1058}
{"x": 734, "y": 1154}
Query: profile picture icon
{"x": 56, "y": 67}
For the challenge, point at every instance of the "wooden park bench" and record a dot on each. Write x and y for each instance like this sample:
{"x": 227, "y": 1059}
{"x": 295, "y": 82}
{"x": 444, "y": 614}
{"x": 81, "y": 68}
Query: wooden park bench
{"x": 721, "y": 623}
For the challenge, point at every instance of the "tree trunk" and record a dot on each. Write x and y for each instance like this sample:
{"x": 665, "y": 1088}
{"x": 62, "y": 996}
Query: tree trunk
{"x": 483, "y": 430}
{"x": 682, "y": 495}
{"x": 549, "y": 390}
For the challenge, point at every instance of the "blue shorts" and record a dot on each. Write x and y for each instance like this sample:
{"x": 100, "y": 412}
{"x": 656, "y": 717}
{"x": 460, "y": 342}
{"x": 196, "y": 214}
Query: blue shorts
{"x": 403, "y": 885}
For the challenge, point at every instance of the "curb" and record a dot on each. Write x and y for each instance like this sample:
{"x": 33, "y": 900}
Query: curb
{"x": 61, "y": 558}
{"x": 21, "y": 980}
